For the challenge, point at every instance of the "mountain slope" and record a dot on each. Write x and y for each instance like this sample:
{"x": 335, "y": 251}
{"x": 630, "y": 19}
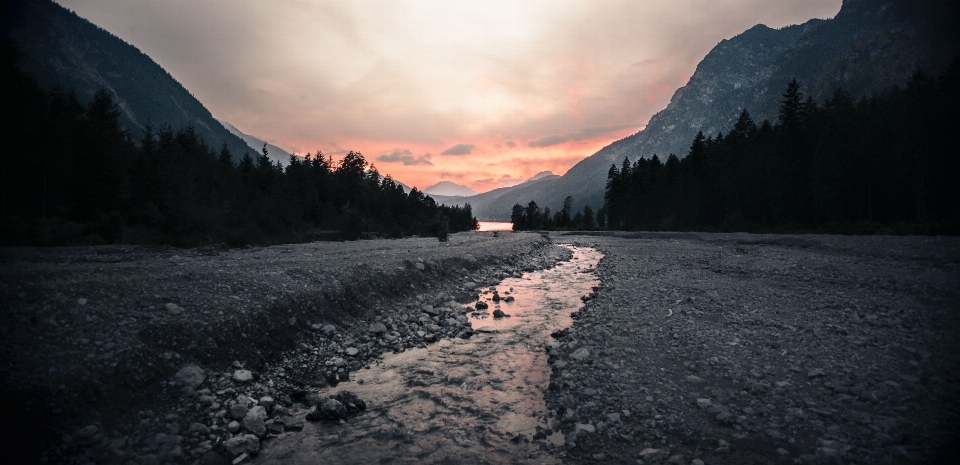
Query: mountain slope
{"x": 870, "y": 46}
{"x": 256, "y": 144}
{"x": 60, "y": 49}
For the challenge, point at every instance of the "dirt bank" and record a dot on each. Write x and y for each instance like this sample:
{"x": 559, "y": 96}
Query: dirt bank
{"x": 736, "y": 348}
{"x": 120, "y": 353}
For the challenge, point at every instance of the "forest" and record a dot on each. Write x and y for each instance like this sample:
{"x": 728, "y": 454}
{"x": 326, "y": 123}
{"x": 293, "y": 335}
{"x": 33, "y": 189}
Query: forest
{"x": 885, "y": 164}
{"x": 72, "y": 175}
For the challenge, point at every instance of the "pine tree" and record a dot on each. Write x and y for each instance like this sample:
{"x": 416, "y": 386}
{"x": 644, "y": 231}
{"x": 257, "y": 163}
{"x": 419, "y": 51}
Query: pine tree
{"x": 791, "y": 105}
{"x": 744, "y": 127}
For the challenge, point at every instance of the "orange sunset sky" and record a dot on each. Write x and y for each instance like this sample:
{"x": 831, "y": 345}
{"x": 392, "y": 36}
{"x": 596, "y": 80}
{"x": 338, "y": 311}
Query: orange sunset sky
{"x": 482, "y": 93}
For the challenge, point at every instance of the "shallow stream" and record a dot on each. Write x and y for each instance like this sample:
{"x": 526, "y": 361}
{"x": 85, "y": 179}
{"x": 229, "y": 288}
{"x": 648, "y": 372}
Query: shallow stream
{"x": 477, "y": 400}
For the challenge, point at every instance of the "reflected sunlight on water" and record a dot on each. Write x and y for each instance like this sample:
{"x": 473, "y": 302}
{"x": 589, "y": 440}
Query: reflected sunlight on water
{"x": 495, "y": 226}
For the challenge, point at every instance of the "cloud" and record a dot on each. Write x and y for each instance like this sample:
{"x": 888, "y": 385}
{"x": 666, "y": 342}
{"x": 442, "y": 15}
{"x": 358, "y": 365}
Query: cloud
{"x": 459, "y": 149}
{"x": 547, "y": 141}
{"x": 445, "y": 175}
{"x": 580, "y": 134}
{"x": 549, "y": 76}
{"x": 404, "y": 156}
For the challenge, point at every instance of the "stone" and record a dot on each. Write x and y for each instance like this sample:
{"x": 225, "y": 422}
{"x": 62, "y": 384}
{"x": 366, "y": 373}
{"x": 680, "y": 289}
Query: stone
{"x": 584, "y": 428}
{"x": 419, "y": 266}
{"x": 498, "y": 313}
{"x": 651, "y": 455}
{"x": 352, "y": 351}
{"x": 696, "y": 462}
{"x": 274, "y": 427}
{"x": 482, "y": 306}
{"x": 783, "y": 452}
{"x": 173, "y": 308}
{"x": 233, "y": 426}
{"x": 704, "y": 403}
{"x": 332, "y": 409}
{"x": 199, "y": 428}
{"x": 377, "y": 328}
{"x": 469, "y": 285}
{"x": 240, "y": 459}
{"x": 190, "y": 376}
{"x": 509, "y": 299}
{"x": 255, "y": 425}
{"x": 815, "y": 373}
{"x": 580, "y": 354}
{"x": 328, "y": 330}
{"x": 292, "y": 424}
{"x": 243, "y": 376}
{"x": 238, "y": 411}
{"x": 267, "y": 402}
{"x": 677, "y": 459}
{"x": 429, "y": 310}
{"x": 258, "y": 411}
{"x": 613, "y": 417}
{"x": 243, "y": 444}
{"x": 694, "y": 379}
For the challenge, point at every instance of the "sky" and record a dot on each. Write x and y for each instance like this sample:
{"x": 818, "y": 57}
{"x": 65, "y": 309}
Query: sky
{"x": 483, "y": 93}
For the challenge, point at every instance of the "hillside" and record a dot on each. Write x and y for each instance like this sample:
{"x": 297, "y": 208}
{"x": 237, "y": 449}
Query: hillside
{"x": 60, "y": 49}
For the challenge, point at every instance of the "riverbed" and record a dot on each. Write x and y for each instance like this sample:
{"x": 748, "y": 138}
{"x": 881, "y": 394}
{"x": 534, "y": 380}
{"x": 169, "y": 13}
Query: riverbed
{"x": 460, "y": 400}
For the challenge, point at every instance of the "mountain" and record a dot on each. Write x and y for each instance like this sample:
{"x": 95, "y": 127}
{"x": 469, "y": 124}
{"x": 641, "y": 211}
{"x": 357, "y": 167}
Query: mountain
{"x": 273, "y": 152}
{"x": 868, "y": 48}
{"x": 449, "y": 189}
{"x": 60, "y": 49}
{"x": 486, "y": 205}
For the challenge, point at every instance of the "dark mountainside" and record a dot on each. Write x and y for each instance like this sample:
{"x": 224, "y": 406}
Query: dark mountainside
{"x": 869, "y": 47}
{"x": 61, "y": 49}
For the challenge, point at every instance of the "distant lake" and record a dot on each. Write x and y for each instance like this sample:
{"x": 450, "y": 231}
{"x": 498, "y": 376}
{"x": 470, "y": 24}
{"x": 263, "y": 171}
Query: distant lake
{"x": 495, "y": 226}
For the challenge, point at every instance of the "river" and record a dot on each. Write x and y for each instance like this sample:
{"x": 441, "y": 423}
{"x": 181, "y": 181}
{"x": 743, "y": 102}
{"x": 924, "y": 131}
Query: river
{"x": 477, "y": 400}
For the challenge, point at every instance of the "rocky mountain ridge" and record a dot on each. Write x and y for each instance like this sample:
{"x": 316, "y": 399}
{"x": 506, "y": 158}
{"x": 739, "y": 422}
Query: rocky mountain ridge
{"x": 868, "y": 48}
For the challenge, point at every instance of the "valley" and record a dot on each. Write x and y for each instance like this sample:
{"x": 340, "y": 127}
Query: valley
{"x": 717, "y": 348}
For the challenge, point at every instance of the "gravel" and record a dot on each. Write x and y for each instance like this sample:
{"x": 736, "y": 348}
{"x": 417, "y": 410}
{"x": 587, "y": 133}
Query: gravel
{"x": 737, "y": 348}
{"x": 115, "y": 354}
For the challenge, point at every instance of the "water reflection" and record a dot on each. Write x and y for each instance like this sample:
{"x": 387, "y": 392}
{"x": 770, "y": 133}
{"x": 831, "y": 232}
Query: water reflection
{"x": 459, "y": 401}
{"x": 495, "y": 226}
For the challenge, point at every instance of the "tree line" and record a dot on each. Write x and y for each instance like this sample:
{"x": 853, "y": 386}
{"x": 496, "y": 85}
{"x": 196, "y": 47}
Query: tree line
{"x": 71, "y": 174}
{"x": 879, "y": 164}
{"x": 532, "y": 217}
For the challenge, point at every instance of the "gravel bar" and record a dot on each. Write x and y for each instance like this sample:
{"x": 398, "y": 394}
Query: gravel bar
{"x": 739, "y": 348}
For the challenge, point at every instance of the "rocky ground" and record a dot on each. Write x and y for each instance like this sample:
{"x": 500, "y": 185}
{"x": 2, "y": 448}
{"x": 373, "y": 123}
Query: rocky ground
{"x": 122, "y": 354}
{"x": 736, "y": 348}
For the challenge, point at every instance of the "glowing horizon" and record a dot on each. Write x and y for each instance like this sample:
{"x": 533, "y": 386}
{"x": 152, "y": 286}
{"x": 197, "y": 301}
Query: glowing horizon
{"x": 483, "y": 93}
